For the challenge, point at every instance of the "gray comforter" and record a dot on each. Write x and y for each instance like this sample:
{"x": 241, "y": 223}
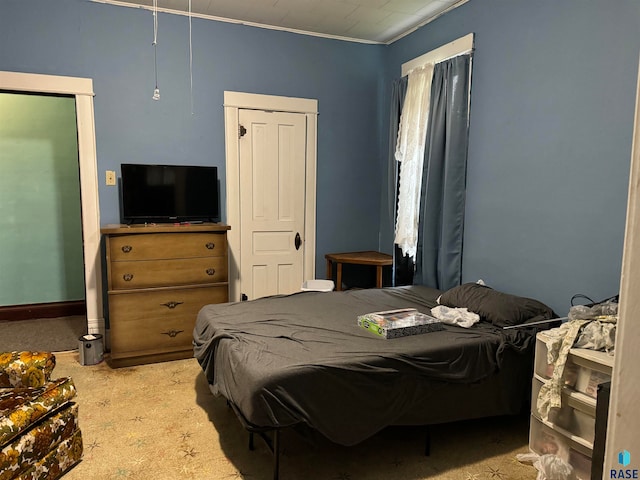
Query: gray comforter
{"x": 302, "y": 358}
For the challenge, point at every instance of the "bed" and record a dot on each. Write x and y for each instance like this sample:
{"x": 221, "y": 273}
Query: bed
{"x": 301, "y": 360}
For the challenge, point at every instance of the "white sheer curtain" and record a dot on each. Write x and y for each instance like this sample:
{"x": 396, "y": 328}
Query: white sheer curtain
{"x": 412, "y": 136}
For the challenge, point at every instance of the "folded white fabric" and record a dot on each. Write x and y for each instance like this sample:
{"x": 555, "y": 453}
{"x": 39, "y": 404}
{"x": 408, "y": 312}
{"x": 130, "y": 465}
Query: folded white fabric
{"x": 461, "y": 317}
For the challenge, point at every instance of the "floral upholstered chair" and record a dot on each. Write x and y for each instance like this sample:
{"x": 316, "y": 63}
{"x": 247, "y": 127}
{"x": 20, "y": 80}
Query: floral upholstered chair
{"x": 39, "y": 434}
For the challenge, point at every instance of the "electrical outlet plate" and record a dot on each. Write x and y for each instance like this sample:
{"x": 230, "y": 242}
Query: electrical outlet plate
{"x": 111, "y": 177}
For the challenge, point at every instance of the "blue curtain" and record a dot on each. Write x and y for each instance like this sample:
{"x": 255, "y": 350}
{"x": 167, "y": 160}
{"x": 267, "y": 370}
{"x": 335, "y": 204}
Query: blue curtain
{"x": 440, "y": 231}
{"x": 400, "y": 265}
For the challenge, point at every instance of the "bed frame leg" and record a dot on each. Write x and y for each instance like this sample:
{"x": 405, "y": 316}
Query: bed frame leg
{"x": 427, "y": 442}
{"x": 273, "y": 444}
{"x": 276, "y": 454}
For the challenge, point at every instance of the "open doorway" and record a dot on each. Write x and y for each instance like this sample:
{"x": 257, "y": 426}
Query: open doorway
{"x": 81, "y": 90}
{"x": 40, "y": 205}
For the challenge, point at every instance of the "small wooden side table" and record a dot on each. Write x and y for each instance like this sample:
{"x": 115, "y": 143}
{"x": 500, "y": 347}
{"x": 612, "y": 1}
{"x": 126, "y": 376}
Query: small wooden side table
{"x": 377, "y": 259}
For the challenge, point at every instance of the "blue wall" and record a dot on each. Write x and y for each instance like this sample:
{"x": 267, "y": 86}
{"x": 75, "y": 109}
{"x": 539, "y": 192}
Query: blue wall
{"x": 552, "y": 103}
{"x": 550, "y": 136}
{"x": 113, "y": 46}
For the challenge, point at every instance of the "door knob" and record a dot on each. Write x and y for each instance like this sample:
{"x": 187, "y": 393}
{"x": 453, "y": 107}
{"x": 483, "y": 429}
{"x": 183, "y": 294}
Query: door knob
{"x": 298, "y": 241}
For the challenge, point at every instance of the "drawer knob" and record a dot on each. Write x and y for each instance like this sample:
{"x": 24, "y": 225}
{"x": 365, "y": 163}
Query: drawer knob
{"x": 210, "y": 245}
{"x": 172, "y": 333}
{"x": 172, "y": 304}
{"x": 127, "y": 277}
{"x": 127, "y": 248}
{"x": 211, "y": 271}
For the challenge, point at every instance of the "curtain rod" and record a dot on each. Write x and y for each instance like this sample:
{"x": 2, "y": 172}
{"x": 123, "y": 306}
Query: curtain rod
{"x": 457, "y": 47}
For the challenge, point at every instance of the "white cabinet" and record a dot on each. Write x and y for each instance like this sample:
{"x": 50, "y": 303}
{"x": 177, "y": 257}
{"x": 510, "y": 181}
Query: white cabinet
{"x": 569, "y": 431}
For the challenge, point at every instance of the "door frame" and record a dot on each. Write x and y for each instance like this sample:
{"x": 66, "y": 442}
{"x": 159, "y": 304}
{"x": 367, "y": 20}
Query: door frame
{"x": 623, "y": 420}
{"x": 82, "y": 90}
{"x": 233, "y": 103}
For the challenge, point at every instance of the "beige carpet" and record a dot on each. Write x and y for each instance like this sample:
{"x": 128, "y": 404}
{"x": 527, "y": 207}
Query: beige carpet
{"x": 160, "y": 421}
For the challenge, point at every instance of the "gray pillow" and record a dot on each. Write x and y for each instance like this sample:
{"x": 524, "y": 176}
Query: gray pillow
{"x": 501, "y": 309}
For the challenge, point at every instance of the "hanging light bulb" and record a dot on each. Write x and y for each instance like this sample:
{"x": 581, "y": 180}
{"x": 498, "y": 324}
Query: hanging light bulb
{"x": 156, "y": 91}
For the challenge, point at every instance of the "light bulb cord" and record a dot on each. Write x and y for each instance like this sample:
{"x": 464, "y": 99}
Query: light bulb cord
{"x": 190, "y": 59}
{"x": 156, "y": 91}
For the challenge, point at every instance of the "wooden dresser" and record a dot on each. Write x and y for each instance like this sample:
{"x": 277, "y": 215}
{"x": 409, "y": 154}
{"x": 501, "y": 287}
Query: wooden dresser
{"x": 158, "y": 279}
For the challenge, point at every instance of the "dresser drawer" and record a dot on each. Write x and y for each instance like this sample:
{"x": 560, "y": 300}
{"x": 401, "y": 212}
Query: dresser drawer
{"x": 546, "y": 440}
{"x": 166, "y": 245}
{"x": 160, "y": 273}
{"x": 576, "y": 415}
{"x": 158, "y": 320}
{"x": 583, "y": 371}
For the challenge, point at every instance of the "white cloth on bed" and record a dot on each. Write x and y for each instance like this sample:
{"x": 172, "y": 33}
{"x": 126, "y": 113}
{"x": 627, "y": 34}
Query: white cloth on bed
{"x": 461, "y": 317}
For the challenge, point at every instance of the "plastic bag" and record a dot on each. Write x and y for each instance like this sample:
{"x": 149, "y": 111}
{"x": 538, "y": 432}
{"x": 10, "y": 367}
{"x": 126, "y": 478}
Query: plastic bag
{"x": 550, "y": 467}
{"x": 600, "y": 332}
{"x": 597, "y": 335}
{"x": 600, "y": 311}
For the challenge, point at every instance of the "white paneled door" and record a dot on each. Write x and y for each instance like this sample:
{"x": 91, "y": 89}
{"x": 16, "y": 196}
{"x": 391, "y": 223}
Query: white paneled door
{"x": 272, "y": 201}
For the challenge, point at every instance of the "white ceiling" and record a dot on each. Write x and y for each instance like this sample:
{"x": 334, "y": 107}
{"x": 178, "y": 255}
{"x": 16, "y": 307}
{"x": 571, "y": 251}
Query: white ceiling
{"x": 370, "y": 21}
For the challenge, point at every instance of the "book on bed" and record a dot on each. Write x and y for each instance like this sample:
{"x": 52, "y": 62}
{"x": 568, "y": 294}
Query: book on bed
{"x": 399, "y": 323}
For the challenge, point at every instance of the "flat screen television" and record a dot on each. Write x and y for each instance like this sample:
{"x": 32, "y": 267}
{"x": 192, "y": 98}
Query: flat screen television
{"x": 169, "y": 193}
